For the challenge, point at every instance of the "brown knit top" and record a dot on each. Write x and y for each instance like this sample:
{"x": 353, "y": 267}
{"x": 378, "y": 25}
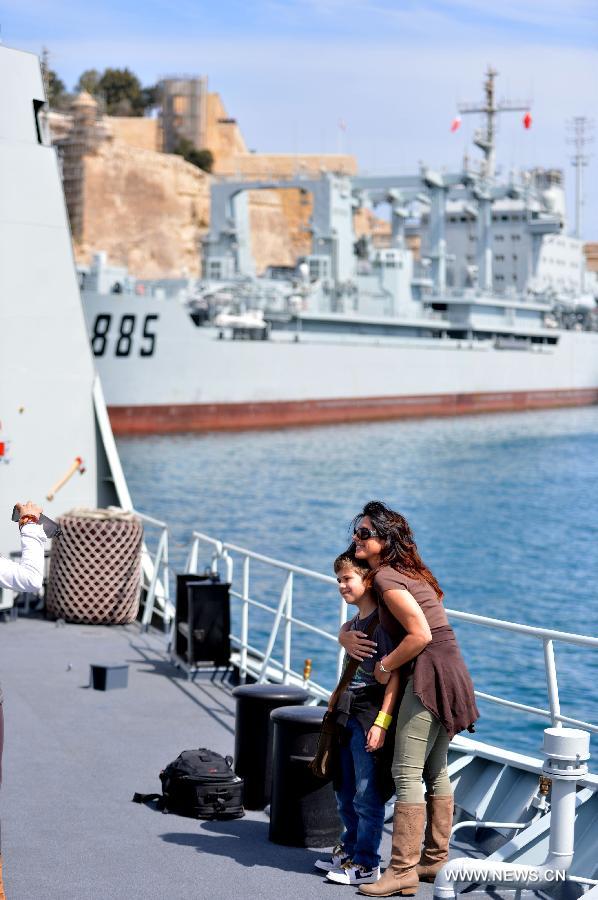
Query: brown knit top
{"x": 440, "y": 677}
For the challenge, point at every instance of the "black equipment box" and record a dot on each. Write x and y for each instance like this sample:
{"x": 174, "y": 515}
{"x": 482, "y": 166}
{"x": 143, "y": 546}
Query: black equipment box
{"x": 202, "y": 622}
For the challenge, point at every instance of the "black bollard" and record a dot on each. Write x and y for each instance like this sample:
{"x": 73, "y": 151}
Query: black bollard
{"x": 253, "y": 736}
{"x": 303, "y": 810}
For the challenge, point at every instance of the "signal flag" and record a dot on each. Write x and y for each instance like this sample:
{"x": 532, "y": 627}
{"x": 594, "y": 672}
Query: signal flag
{"x": 456, "y": 123}
{"x": 527, "y": 120}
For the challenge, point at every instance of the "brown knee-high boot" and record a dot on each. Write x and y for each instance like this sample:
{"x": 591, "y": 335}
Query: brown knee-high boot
{"x": 436, "y": 841}
{"x": 401, "y": 875}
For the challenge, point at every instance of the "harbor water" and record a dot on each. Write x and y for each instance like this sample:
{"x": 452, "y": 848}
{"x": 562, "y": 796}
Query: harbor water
{"x": 504, "y": 510}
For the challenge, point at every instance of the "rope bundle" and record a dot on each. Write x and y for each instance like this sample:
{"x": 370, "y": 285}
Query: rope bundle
{"x": 95, "y": 567}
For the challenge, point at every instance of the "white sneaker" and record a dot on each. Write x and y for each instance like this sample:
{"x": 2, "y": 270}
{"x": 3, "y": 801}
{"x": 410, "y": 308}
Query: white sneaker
{"x": 335, "y": 861}
{"x": 349, "y": 873}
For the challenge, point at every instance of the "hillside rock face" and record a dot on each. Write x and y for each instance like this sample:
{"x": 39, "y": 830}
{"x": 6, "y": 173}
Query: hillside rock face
{"x": 147, "y": 210}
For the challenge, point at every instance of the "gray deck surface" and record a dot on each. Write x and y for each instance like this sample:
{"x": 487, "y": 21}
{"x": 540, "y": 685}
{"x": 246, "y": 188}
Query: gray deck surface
{"x": 74, "y": 757}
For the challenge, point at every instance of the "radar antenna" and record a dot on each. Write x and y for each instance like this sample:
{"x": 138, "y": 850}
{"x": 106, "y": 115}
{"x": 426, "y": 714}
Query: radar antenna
{"x": 485, "y": 137}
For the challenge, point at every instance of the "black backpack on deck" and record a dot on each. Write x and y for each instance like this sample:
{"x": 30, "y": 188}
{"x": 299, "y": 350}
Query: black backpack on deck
{"x": 201, "y": 784}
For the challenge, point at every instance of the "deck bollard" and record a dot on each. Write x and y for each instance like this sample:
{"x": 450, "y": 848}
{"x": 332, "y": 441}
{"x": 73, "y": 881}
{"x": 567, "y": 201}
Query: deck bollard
{"x": 254, "y": 733}
{"x": 303, "y": 810}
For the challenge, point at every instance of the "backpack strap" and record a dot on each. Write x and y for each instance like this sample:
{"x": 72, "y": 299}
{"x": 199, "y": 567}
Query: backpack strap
{"x": 352, "y": 666}
{"x": 150, "y": 798}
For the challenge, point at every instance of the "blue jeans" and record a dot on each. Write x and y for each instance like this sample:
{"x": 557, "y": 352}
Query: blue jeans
{"x": 360, "y": 805}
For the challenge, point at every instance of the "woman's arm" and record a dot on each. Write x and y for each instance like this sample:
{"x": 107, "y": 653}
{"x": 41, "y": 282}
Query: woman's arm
{"x": 377, "y": 735}
{"x": 407, "y": 611}
{"x": 356, "y": 643}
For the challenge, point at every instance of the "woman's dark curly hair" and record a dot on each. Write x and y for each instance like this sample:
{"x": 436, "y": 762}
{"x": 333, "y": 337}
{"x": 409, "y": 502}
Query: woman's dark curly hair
{"x": 400, "y": 550}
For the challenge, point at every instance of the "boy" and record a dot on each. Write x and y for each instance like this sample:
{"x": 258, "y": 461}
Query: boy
{"x": 366, "y": 706}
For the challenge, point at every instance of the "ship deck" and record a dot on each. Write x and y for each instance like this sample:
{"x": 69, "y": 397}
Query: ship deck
{"x": 75, "y": 756}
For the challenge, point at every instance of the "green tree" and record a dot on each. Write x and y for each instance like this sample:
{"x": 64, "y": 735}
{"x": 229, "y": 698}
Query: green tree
{"x": 56, "y": 88}
{"x": 121, "y": 90}
{"x": 88, "y": 81}
{"x": 150, "y": 97}
{"x": 203, "y": 159}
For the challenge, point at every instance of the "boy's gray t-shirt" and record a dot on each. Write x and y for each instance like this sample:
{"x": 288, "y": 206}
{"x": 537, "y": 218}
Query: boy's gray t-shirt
{"x": 364, "y": 676}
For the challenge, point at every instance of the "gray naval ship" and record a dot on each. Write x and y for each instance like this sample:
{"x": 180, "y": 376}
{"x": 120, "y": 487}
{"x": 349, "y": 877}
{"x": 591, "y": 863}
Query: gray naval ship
{"x": 525, "y": 826}
{"x": 496, "y": 310}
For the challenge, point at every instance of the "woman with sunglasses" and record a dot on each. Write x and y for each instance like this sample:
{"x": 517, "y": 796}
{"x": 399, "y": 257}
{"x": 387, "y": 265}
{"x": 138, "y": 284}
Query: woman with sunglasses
{"x": 437, "y": 702}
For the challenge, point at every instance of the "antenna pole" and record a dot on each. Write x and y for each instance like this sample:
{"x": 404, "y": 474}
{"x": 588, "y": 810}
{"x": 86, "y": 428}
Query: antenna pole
{"x": 580, "y": 127}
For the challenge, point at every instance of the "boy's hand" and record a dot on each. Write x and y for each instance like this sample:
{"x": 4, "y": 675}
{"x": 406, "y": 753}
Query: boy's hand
{"x": 375, "y": 738}
{"x": 357, "y": 644}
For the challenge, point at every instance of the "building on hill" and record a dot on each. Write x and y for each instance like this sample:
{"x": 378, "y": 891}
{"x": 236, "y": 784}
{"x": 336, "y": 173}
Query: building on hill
{"x": 184, "y": 112}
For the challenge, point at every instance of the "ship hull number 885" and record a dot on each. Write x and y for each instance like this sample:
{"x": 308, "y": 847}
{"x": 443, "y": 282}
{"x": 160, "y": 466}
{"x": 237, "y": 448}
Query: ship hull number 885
{"x": 126, "y": 335}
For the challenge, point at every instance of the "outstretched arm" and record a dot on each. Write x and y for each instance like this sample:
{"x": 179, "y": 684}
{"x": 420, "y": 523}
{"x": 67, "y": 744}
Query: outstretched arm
{"x": 28, "y": 573}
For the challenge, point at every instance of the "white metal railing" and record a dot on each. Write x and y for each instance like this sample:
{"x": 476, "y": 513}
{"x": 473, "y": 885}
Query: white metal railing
{"x": 261, "y": 664}
{"x": 156, "y": 576}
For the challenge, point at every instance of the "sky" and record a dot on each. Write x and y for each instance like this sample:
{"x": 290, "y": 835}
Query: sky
{"x": 290, "y": 70}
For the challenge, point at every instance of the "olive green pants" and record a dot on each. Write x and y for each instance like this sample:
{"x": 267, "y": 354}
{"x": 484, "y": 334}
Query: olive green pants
{"x": 421, "y": 746}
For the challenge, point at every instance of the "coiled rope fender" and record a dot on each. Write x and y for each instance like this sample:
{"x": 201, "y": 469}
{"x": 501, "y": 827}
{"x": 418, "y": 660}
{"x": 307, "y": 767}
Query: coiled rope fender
{"x": 95, "y": 567}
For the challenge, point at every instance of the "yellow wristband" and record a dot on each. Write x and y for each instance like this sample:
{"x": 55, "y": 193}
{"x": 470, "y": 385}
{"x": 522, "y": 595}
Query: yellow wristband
{"x": 383, "y": 720}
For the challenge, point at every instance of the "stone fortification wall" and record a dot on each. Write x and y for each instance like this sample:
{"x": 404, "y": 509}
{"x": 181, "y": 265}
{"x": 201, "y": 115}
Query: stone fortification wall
{"x": 223, "y": 135}
{"x": 283, "y": 165}
{"x": 142, "y": 133}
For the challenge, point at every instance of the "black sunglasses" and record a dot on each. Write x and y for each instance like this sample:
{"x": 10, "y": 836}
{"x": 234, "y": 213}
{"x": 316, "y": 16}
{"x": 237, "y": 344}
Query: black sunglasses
{"x": 364, "y": 533}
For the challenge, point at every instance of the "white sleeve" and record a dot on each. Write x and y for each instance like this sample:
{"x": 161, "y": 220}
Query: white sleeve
{"x": 28, "y": 574}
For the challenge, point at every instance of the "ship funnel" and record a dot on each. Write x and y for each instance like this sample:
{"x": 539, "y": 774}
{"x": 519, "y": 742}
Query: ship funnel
{"x": 566, "y": 752}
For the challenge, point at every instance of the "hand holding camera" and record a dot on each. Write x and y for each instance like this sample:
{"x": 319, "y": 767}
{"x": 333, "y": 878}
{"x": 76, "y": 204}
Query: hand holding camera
{"x": 30, "y": 513}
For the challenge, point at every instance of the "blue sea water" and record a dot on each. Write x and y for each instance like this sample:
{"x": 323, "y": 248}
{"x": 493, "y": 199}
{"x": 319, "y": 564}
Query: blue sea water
{"x": 504, "y": 510}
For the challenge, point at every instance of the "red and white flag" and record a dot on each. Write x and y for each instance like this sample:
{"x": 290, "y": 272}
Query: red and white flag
{"x": 527, "y": 120}
{"x": 456, "y": 123}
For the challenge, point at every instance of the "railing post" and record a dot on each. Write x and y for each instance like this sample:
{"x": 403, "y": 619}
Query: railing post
{"x": 274, "y": 632}
{"x": 166, "y": 583}
{"x": 340, "y": 656}
{"x": 191, "y": 567}
{"x": 244, "y": 621}
{"x": 552, "y": 683}
{"x": 228, "y": 566}
{"x": 149, "y": 600}
{"x": 216, "y": 555}
{"x": 288, "y": 629}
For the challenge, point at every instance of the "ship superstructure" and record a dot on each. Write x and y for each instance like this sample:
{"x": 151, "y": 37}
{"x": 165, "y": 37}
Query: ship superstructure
{"x": 494, "y": 311}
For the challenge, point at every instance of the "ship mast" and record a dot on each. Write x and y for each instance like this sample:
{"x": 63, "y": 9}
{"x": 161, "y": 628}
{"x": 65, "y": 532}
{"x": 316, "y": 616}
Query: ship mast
{"x": 485, "y": 137}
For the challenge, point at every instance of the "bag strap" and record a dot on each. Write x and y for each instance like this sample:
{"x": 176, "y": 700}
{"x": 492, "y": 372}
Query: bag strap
{"x": 150, "y": 798}
{"x": 352, "y": 666}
